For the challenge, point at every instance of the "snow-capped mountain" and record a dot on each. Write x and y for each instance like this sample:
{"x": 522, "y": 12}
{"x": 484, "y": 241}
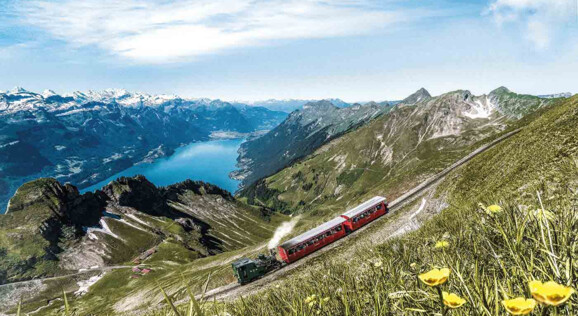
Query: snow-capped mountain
{"x": 83, "y": 138}
{"x": 20, "y": 99}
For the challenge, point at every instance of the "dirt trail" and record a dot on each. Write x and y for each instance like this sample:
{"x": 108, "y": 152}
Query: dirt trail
{"x": 234, "y": 290}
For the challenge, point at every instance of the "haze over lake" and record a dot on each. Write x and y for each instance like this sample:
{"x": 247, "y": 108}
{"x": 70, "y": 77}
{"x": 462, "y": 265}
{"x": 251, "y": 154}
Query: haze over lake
{"x": 210, "y": 161}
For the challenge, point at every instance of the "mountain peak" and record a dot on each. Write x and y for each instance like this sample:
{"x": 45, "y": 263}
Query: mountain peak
{"x": 17, "y": 90}
{"x": 48, "y": 93}
{"x": 419, "y": 95}
{"x": 323, "y": 105}
{"x": 501, "y": 89}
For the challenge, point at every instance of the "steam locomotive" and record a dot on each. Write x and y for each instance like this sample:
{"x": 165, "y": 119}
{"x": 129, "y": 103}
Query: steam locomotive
{"x": 247, "y": 270}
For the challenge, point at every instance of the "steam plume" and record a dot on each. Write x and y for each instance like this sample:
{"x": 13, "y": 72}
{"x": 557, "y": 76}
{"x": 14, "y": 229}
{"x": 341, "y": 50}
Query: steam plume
{"x": 283, "y": 230}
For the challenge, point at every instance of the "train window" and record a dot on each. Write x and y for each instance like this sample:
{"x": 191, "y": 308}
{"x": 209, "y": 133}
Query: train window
{"x": 291, "y": 251}
{"x": 338, "y": 228}
{"x": 379, "y": 207}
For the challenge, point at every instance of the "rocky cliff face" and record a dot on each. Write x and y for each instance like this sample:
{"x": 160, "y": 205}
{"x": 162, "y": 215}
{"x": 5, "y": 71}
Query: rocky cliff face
{"x": 83, "y": 138}
{"x": 50, "y": 228}
{"x": 299, "y": 135}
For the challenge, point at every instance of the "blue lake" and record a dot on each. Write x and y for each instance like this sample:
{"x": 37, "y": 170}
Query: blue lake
{"x": 210, "y": 161}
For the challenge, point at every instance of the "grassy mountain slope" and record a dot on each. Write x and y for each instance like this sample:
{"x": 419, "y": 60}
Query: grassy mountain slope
{"x": 299, "y": 135}
{"x": 51, "y": 229}
{"x": 516, "y": 105}
{"x": 533, "y": 176}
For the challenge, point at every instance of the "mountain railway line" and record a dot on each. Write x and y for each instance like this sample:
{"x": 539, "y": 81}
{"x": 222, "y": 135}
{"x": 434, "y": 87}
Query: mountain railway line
{"x": 233, "y": 290}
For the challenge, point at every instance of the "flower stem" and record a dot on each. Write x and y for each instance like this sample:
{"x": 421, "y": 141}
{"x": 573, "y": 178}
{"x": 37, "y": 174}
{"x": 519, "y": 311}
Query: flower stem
{"x": 441, "y": 300}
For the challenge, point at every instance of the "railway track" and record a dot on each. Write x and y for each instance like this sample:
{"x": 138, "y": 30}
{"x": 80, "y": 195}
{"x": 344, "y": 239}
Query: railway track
{"x": 233, "y": 290}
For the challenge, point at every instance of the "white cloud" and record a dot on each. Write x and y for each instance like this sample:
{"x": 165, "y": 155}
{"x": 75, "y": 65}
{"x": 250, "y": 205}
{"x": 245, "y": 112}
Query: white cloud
{"x": 149, "y": 31}
{"x": 542, "y": 19}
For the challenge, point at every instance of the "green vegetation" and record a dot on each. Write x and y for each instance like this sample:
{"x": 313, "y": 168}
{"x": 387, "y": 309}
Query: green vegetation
{"x": 386, "y": 157}
{"x": 492, "y": 252}
{"x": 517, "y": 105}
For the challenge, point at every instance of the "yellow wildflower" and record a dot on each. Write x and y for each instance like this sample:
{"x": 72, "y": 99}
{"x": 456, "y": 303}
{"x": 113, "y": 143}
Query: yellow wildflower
{"x": 413, "y": 265}
{"x": 519, "y": 305}
{"x": 442, "y": 244}
{"x": 435, "y": 277}
{"x": 493, "y": 209}
{"x": 378, "y": 264}
{"x": 452, "y": 300}
{"x": 550, "y": 293}
{"x": 310, "y": 299}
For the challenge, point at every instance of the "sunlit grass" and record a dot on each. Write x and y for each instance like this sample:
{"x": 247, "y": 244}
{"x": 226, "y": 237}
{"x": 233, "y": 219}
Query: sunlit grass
{"x": 493, "y": 258}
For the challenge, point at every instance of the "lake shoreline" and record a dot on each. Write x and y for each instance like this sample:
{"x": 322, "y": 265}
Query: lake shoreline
{"x": 210, "y": 161}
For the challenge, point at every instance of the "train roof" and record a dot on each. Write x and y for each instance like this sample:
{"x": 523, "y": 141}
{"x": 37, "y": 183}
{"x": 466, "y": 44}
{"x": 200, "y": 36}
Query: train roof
{"x": 364, "y": 206}
{"x": 313, "y": 232}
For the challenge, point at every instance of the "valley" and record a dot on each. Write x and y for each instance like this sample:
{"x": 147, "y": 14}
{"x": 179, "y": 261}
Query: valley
{"x": 95, "y": 135}
{"x": 288, "y": 158}
{"x": 189, "y": 224}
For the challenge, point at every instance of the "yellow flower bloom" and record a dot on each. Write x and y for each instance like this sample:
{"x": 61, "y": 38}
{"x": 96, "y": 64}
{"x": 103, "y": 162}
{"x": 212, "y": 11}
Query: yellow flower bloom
{"x": 442, "y": 244}
{"x": 493, "y": 209}
{"x": 413, "y": 265}
{"x": 378, "y": 264}
{"x": 519, "y": 305}
{"x": 310, "y": 299}
{"x": 452, "y": 300}
{"x": 435, "y": 277}
{"x": 550, "y": 293}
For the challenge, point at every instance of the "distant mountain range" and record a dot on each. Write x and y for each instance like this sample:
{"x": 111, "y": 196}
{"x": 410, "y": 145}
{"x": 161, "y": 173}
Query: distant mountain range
{"x": 318, "y": 123}
{"x": 83, "y": 138}
{"x": 556, "y": 95}
{"x": 290, "y": 105}
{"x": 417, "y": 138}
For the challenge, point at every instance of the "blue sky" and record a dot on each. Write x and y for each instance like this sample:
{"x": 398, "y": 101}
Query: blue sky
{"x": 250, "y": 50}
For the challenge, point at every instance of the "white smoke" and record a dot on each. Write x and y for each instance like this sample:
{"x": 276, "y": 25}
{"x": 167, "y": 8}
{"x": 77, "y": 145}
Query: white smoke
{"x": 283, "y": 230}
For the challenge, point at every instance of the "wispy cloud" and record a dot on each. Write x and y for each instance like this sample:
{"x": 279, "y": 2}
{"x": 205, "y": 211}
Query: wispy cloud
{"x": 148, "y": 31}
{"x": 542, "y": 20}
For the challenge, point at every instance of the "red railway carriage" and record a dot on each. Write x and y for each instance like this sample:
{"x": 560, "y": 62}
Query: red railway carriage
{"x": 365, "y": 213}
{"x": 312, "y": 240}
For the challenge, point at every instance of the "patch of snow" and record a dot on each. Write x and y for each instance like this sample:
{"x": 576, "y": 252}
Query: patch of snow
{"x": 480, "y": 110}
{"x": 9, "y": 144}
{"x": 105, "y": 230}
{"x": 112, "y": 158}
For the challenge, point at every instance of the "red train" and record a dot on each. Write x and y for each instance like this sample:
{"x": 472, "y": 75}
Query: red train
{"x": 333, "y": 230}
